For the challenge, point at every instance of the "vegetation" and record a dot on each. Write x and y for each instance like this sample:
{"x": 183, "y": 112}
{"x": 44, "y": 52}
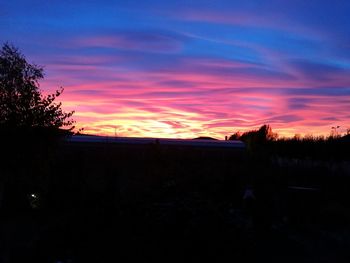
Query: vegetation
{"x": 266, "y": 143}
{"x": 255, "y": 139}
{"x": 22, "y": 105}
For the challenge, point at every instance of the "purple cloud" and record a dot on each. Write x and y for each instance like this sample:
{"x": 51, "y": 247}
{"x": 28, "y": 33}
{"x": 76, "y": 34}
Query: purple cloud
{"x": 317, "y": 71}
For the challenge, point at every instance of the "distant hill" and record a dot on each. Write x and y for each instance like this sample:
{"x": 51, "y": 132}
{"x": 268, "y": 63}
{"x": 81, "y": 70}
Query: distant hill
{"x": 205, "y": 138}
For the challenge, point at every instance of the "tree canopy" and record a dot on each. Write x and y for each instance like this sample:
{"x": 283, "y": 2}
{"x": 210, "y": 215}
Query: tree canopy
{"x": 22, "y": 104}
{"x": 263, "y": 134}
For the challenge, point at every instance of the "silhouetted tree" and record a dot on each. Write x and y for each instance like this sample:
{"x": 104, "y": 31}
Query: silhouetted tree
{"x": 263, "y": 134}
{"x": 21, "y": 103}
{"x": 255, "y": 138}
{"x": 29, "y": 125}
{"x": 235, "y": 136}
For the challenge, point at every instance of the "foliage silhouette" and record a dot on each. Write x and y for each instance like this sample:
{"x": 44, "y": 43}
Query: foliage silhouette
{"x": 267, "y": 143}
{"x": 22, "y": 106}
{"x": 256, "y": 138}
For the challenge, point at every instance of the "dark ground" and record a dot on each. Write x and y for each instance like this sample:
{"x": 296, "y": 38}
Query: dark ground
{"x": 102, "y": 203}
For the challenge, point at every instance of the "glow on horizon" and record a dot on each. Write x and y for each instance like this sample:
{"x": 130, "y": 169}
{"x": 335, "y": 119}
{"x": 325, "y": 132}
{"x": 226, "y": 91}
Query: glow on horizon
{"x": 184, "y": 70}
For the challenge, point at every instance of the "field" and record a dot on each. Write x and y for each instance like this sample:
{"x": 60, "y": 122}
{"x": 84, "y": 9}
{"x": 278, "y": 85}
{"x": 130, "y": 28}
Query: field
{"x": 97, "y": 202}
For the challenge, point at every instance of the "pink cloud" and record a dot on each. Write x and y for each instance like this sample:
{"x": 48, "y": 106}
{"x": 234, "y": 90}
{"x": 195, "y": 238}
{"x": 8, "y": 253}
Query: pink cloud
{"x": 195, "y": 97}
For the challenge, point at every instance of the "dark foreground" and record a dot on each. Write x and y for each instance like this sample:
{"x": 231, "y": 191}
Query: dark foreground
{"x": 81, "y": 202}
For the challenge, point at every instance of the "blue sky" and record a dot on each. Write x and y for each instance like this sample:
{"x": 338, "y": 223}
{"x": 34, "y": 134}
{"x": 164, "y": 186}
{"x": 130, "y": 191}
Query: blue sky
{"x": 188, "y": 68}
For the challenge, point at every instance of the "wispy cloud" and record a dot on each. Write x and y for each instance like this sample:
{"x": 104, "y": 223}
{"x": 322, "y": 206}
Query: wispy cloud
{"x": 184, "y": 69}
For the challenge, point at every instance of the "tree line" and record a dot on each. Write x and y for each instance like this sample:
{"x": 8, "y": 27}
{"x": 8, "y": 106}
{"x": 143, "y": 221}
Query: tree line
{"x": 265, "y": 142}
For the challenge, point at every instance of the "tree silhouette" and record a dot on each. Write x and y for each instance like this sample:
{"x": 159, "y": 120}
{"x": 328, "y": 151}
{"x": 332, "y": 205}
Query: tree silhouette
{"x": 255, "y": 139}
{"x": 21, "y": 103}
{"x": 236, "y": 136}
{"x": 263, "y": 134}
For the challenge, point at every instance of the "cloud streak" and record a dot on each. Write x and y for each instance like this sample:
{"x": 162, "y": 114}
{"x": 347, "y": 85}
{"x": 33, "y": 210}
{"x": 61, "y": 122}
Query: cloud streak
{"x": 184, "y": 70}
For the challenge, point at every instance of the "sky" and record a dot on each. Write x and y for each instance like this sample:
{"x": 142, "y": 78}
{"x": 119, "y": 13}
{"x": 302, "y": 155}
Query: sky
{"x": 185, "y": 69}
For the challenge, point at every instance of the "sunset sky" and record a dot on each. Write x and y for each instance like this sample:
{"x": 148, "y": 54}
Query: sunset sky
{"x": 185, "y": 69}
